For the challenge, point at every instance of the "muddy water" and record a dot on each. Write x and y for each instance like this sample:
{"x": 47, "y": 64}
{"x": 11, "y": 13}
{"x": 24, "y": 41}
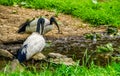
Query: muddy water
{"x": 76, "y": 47}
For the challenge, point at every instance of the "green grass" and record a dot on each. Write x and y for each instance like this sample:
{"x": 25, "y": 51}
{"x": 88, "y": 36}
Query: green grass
{"x": 62, "y": 70}
{"x": 103, "y": 13}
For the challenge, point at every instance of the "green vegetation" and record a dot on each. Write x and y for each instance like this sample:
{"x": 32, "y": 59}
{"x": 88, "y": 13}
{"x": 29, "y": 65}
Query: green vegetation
{"x": 112, "y": 30}
{"x": 92, "y": 36}
{"x": 106, "y": 48}
{"x": 62, "y": 70}
{"x": 105, "y": 12}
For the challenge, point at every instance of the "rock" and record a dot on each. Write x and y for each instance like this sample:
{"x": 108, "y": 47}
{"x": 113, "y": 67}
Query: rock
{"x": 65, "y": 61}
{"x": 60, "y": 59}
{"x": 56, "y": 55}
{"x": 5, "y": 53}
{"x": 13, "y": 67}
{"x": 39, "y": 56}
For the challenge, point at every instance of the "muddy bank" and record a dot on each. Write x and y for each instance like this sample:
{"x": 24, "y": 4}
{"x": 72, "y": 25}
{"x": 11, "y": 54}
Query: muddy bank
{"x": 76, "y": 47}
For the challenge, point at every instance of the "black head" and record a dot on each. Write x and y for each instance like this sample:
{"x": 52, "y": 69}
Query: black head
{"x": 40, "y": 22}
{"x": 53, "y": 20}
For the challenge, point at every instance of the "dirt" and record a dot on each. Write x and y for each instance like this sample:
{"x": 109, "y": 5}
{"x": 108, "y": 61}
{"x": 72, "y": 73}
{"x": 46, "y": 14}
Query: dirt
{"x": 12, "y": 17}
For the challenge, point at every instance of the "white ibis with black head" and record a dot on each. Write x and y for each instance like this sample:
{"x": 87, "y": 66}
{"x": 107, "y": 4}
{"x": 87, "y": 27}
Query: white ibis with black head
{"x": 30, "y": 26}
{"x": 33, "y": 44}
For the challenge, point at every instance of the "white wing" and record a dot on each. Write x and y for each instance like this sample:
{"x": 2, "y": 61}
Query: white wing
{"x": 35, "y": 43}
{"x": 32, "y": 27}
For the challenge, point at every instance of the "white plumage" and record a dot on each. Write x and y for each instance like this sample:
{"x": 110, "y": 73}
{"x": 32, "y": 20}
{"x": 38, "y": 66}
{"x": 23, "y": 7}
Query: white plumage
{"x": 30, "y": 26}
{"x": 35, "y": 43}
{"x": 33, "y": 25}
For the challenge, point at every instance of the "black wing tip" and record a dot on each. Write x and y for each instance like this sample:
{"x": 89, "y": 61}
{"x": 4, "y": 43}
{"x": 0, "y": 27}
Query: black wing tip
{"x": 21, "y": 56}
{"x": 22, "y": 27}
{"x": 20, "y": 31}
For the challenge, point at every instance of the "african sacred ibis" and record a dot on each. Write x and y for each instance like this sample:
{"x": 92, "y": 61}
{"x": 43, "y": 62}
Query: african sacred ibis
{"x": 30, "y": 26}
{"x": 33, "y": 44}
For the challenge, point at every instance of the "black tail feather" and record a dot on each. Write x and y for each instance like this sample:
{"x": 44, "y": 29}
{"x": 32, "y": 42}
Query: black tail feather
{"x": 21, "y": 56}
{"x": 23, "y": 26}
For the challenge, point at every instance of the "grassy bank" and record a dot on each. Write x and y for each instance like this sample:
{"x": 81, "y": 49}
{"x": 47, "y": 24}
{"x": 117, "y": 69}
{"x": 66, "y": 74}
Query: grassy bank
{"x": 111, "y": 70}
{"x": 105, "y": 12}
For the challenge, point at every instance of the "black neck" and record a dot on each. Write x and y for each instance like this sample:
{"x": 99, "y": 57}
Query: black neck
{"x": 52, "y": 19}
{"x": 40, "y": 22}
{"x": 51, "y": 22}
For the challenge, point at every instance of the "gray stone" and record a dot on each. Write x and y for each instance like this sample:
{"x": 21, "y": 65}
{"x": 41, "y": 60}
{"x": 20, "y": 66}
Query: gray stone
{"x": 60, "y": 59}
{"x": 56, "y": 55}
{"x": 5, "y": 53}
{"x": 39, "y": 56}
{"x": 65, "y": 61}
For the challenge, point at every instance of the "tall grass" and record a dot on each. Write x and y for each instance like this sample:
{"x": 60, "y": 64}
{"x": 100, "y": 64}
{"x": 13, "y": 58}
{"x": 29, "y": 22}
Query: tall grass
{"x": 62, "y": 70}
{"x": 106, "y": 12}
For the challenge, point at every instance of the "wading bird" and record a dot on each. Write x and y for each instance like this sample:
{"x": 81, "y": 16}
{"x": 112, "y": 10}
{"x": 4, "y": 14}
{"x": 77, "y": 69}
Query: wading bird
{"x": 33, "y": 44}
{"x": 30, "y": 26}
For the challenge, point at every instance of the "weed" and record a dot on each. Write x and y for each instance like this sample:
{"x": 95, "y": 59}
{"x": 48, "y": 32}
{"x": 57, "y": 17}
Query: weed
{"x": 106, "y": 48}
{"x": 63, "y": 70}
